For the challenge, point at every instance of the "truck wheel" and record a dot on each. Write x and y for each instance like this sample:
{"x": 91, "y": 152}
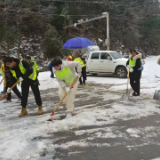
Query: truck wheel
{"x": 121, "y": 72}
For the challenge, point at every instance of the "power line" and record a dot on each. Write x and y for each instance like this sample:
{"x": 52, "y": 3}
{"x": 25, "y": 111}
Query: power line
{"x": 71, "y": 1}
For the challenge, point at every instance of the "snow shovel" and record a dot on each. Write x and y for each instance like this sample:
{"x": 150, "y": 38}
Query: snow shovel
{"x": 126, "y": 95}
{"x": 8, "y": 91}
{"x": 2, "y": 80}
{"x": 157, "y": 95}
{"x": 62, "y": 99}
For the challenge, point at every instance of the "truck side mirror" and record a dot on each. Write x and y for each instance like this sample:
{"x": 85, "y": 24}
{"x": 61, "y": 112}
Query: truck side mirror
{"x": 109, "y": 58}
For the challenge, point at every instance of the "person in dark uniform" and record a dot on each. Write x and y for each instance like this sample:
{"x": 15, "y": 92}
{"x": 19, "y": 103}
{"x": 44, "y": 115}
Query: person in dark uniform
{"x": 21, "y": 70}
{"x": 34, "y": 65}
{"x": 9, "y": 80}
{"x": 135, "y": 63}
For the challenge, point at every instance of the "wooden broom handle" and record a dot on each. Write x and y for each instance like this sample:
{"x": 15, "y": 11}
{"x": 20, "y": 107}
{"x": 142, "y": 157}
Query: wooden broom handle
{"x": 2, "y": 80}
{"x": 128, "y": 77}
{"x": 64, "y": 96}
{"x": 9, "y": 90}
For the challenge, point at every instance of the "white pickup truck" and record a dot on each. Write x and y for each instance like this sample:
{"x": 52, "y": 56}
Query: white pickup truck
{"x": 106, "y": 62}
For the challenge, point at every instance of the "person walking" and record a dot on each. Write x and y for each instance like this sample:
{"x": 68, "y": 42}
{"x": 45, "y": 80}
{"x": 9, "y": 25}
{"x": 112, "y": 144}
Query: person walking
{"x": 21, "y": 70}
{"x": 9, "y": 81}
{"x": 135, "y": 63}
{"x": 65, "y": 73}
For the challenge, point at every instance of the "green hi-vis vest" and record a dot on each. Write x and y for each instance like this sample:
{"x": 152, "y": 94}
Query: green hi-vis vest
{"x": 66, "y": 75}
{"x": 132, "y": 63}
{"x": 1, "y": 72}
{"x": 80, "y": 61}
{"x": 33, "y": 76}
{"x": 35, "y": 66}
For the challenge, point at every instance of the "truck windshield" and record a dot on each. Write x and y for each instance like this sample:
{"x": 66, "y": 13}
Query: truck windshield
{"x": 116, "y": 55}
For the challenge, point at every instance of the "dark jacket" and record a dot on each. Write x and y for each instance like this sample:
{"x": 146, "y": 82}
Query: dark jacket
{"x": 136, "y": 73}
{"x": 29, "y": 70}
{"x": 50, "y": 69}
{"x": 8, "y": 74}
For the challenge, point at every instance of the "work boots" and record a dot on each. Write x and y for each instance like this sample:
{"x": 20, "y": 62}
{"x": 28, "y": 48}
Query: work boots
{"x": 23, "y": 112}
{"x": 40, "y": 110}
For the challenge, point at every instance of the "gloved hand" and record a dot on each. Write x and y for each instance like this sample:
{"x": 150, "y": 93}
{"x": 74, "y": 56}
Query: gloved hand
{"x": 67, "y": 89}
{"x": 21, "y": 79}
{"x": 77, "y": 74}
{"x": 131, "y": 70}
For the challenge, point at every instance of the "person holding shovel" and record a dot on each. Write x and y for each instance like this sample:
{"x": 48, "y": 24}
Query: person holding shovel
{"x": 135, "y": 63}
{"x": 9, "y": 80}
{"x": 66, "y": 72}
{"x": 23, "y": 72}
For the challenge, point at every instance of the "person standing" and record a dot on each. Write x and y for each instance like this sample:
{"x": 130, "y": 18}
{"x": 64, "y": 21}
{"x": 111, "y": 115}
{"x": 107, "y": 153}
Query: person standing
{"x": 65, "y": 73}
{"x": 9, "y": 80}
{"x": 21, "y": 70}
{"x": 83, "y": 66}
{"x": 135, "y": 63}
{"x": 33, "y": 64}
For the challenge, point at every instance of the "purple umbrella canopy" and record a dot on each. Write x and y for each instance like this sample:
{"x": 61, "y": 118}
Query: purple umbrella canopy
{"x": 78, "y": 43}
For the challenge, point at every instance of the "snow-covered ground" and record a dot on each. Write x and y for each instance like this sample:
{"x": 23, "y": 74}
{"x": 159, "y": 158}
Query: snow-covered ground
{"x": 21, "y": 138}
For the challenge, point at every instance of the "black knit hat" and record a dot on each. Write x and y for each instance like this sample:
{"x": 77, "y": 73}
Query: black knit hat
{"x": 28, "y": 57}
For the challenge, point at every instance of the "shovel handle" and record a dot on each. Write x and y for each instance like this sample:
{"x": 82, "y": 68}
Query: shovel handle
{"x": 128, "y": 78}
{"x": 9, "y": 90}
{"x": 2, "y": 80}
{"x": 64, "y": 96}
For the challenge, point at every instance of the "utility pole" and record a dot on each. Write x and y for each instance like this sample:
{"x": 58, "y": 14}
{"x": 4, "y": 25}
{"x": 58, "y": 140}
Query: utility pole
{"x": 107, "y": 40}
{"x": 104, "y": 15}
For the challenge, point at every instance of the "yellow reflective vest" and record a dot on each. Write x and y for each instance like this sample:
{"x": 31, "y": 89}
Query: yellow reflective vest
{"x": 65, "y": 74}
{"x": 35, "y": 66}
{"x": 80, "y": 61}
{"x": 2, "y": 70}
{"x": 33, "y": 76}
{"x": 132, "y": 63}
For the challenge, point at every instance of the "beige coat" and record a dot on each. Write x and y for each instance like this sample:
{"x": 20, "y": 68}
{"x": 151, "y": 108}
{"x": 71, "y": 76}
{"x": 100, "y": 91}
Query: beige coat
{"x": 72, "y": 66}
{"x": 70, "y": 98}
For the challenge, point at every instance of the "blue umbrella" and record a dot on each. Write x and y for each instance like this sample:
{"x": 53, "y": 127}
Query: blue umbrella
{"x": 78, "y": 43}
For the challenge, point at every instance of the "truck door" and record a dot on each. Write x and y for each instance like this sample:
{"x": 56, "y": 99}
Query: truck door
{"x": 93, "y": 62}
{"x": 106, "y": 62}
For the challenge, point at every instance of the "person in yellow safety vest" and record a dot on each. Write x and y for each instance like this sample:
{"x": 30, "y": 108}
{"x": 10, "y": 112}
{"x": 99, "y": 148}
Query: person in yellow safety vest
{"x": 9, "y": 81}
{"x": 135, "y": 64}
{"x": 2, "y": 74}
{"x": 65, "y": 74}
{"x": 23, "y": 72}
{"x": 33, "y": 64}
{"x": 83, "y": 66}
